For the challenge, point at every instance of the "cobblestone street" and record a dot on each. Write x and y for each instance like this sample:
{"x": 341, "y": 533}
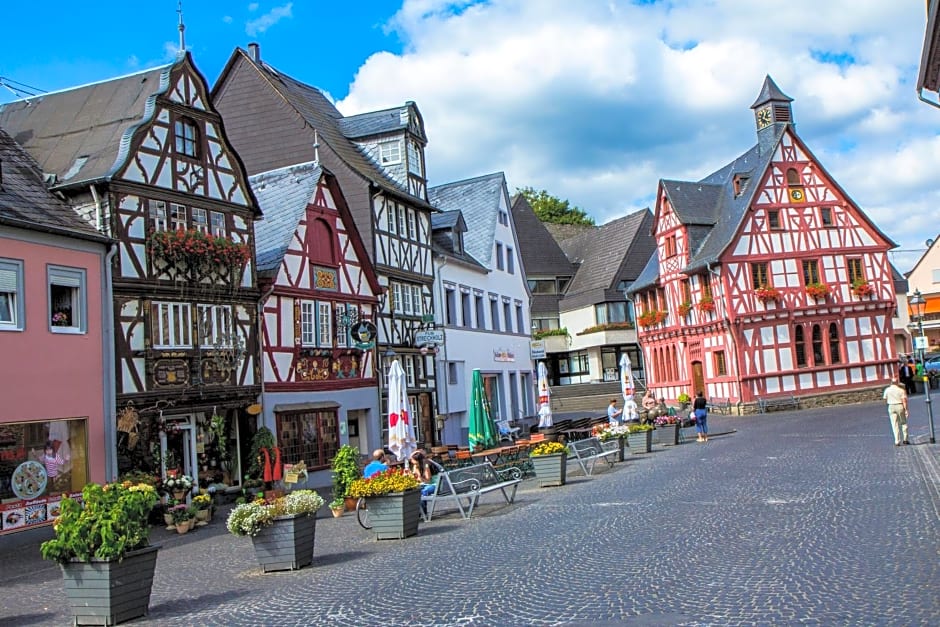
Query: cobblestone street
{"x": 809, "y": 517}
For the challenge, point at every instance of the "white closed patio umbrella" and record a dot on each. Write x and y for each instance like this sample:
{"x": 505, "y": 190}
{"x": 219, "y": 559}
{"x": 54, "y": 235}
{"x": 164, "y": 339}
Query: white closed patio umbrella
{"x": 627, "y": 388}
{"x": 545, "y": 404}
{"x": 401, "y": 432}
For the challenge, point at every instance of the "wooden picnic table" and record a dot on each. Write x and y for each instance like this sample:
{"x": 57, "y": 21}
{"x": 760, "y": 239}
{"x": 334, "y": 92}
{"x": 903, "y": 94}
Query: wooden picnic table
{"x": 572, "y": 435}
{"x": 492, "y": 455}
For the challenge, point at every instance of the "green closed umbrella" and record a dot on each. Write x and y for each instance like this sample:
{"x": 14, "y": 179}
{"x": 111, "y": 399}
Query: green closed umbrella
{"x": 482, "y": 427}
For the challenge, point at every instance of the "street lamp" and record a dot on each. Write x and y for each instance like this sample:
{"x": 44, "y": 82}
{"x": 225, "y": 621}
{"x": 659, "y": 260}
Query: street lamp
{"x": 918, "y": 304}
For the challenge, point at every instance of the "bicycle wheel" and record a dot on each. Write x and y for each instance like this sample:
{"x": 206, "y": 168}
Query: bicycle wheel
{"x": 362, "y": 514}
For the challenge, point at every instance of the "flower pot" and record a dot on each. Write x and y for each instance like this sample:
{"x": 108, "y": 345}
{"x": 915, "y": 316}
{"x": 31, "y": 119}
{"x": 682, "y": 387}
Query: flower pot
{"x": 287, "y": 544}
{"x": 202, "y": 515}
{"x": 182, "y": 527}
{"x": 179, "y": 495}
{"x": 550, "y": 469}
{"x": 102, "y": 592}
{"x": 614, "y": 444}
{"x": 395, "y": 516}
{"x": 168, "y": 519}
{"x": 350, "y": 503}
{"x": 668, "y": 434}
{"x": 641, "y": 442}
{"x": 337, "y": 511}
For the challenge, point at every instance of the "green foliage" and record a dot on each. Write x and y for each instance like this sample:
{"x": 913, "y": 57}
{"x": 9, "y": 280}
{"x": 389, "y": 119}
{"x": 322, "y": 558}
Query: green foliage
{"x": 263, "y": 438}
{"x": 608, "y": 326}
{"x": 388, "y": 482}
{"x": 247, "y": 519}
{"x": 110, "y": 521}
{"x": 554, "y": 210}
{"x": 345, "y": 470}
{"x": 538, "y": 335}
{"x": 640, "y": 428}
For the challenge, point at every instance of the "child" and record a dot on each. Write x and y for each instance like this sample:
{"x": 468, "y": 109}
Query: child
{"x": 53, "y": 463}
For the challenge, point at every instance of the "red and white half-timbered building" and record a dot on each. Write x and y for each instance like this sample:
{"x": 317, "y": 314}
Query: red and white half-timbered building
{"x": 144, "y": 158}
{"x": 768, "y": 281}
{"x": 320, "y": 299}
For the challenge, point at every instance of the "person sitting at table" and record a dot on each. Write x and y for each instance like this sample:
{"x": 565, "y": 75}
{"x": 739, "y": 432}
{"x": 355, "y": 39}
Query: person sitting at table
{"x": 377, "y": 465}
{"x": 613, "y": 414}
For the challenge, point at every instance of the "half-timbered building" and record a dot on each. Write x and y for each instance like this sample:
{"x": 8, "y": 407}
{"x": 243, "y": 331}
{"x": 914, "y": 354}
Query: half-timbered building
{"x": 768, "y": 279}
{"x": 320, "y": 297}
{"x": 378, "y": 159}
{"x": 144, "y": 159}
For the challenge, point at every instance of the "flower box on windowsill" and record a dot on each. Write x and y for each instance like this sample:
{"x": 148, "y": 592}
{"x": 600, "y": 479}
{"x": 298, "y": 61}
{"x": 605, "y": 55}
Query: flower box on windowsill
{"x": 767, "y": 294}
{"x": 706, "y": 305}
{"x": 862, "y": 289}
{"x": 685, "y": 308}
{"x": 818, "y": 291}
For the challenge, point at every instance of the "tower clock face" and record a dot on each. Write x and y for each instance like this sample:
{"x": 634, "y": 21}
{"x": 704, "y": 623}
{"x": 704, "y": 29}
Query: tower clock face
{"x": 764, "y": 117}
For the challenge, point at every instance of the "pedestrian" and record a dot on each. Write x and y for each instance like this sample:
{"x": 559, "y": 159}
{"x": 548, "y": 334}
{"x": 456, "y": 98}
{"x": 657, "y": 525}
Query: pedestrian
{"x": 613, "y": 414}
{"x": 906, "y": 375}
{"x": 896, "y": 397}
{"x": 700, "y": 409}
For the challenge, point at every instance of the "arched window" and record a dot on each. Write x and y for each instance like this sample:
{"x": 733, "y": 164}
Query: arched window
{"x": 818, "y": 357}
{"x": 321, "y": 247}
{"x": 793, "y": 177}
{"x": 834, "y": 343}
{"x": 186, "y": 137}
{"x": 799, "y": 339}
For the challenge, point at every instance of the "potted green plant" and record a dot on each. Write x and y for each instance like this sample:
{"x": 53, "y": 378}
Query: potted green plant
{"x": 282, "y": 531}
{"x": 203, "y": 505}
{"x": 345, "y": 467}
{"x": 640, "y": 438}
{"x": 178, "y": 486}
{"x": 338, "y": 506}
{"x": 102, "y": 544}
{"x": 393, "y": 498}
{"x": 550, "y": 462}
{"x": 181, "y": 517}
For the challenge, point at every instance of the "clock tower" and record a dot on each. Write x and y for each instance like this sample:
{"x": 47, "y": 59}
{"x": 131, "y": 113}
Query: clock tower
{"x": 772, "y": 112}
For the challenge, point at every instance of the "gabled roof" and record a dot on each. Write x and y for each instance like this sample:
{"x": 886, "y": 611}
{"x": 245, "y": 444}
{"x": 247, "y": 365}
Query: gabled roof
{"x": 607, "y": 254}
{"x": 541, "y": 255}
{"x": 25, "y": 202}
{"x": 768, "y": 92}
{"x": 82, "y": 134}
{"x": 391, "y": 120}
{"x": 478, "y": 199}
{"x": 442, "y": 224}
{"x": 283, "y": 195}
{"x": 316, "y": 109}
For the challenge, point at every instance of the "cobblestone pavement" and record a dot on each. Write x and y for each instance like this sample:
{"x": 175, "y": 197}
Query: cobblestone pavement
{"x": 809, "y": 517}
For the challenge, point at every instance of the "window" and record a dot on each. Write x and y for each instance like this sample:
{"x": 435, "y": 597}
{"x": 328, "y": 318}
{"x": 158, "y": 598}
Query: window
{"x": 481, "y": 319}
{"x": 465, "y": 309}
{"x": 346, "y": 316}
{"x": 541, "y": 286}
{"x": 834, "y": 343}
{"x": 414, "y": 158}
{"x": 451, "y": 373}
{"x": 818, "y": 358}
{"x": 510, "y": 261}
{"x": 11, "y": 295}
{"x": 158, "y": 215}
{"x": 170, "y": 325}
{"x": 686, "y": 291}
{"x": 390, "y": 152}
{"x": 325, "y": 324}
{"x": 215, "y": 326}
{"x": 450, "y": 306}
{"x": 855, "y": 269}
{"x": 392, "y": 226}
{"x": 799, "y": 339}
{"x": 218, "y": 224}
{"x": 410, "y": 371}
{"x": 545, "y": 324}
{"x": 706, "y": 286}
{"x": 178, "y": 217}
{"x": 494, "y": 312}
{"x": 309, "y": 436}
{"x": 600, "y": 313}
{"x": 201, "y": 220}
{"x": 671, "y": 246}
{"x": 307, "y": 319}
{"x": 793, "y": 177}
{"x": 773, "y": 219}
{"x": 810, "y": 271}
{"x": 187, "y": 138}
{"x": 402, "y": 221}
{"x": 760, "y": 276}
{"x": 507, "y": 317}
{"x": 417, "y": 304}
{"x": 825, "y": 216}
{"x": 520, "y": 321}
{"x": 66, "y": 299}
{"x": 412, "y": 228}
{"x": 503, "y": 218}
{"x": 396, "y": 303}
{"x": 499, "y": 256}
{"x": 721, "y": 368}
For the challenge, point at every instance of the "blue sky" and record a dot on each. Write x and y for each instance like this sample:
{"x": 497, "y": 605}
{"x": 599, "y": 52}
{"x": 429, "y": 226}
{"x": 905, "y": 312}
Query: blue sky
{"x": 594, "y": 100}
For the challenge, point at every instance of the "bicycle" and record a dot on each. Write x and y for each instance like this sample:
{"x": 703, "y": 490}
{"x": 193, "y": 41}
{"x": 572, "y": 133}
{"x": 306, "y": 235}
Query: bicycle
{"x": 362, "y": 514}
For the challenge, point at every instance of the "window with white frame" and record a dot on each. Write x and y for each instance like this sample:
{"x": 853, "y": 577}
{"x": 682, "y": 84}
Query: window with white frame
{"x": 187, "y": 137}
{"x": 402, "y": 221}
{"x": 417, "y": 297}
{"x": 308, "y": 318}
{"x": 414, "y": 158}
{"x": 11, "y": 295}
{"x": 419, "y": 362}
{"x": 392, "y": 226}
{"x": 406, "y": 299}
{"x": 170, "y": 325}
{"x": 218, "y": 224}
{"x": 342, "y": 330}
{"x": 410, "y": 370}
{"x": 510, "y": 261}
{"x": 390, "y": 152}
{"x": 178, "y": 217}
{"x": 412, "y": 225}
{"x": 499, "y": 256}
{"x": 450, "y": 306}
{"x": 396, "y": 297}
{"x": 503, "y": 218}
{"x": 325, "y": 324}
{"x": 507, "y": 316}
{"x": 520, "y": 320}
{"x": 158, "y": 215}
{"x": 215, "y": 326}
{"x": 201, "y": 220}
{"x": 494, "y": 312}
{"x": 465, "y": 307}
{"x": 66, "y": 299}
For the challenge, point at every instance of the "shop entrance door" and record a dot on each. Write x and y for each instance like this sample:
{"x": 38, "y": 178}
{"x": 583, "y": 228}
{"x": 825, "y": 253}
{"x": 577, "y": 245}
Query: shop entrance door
{"x": 178, "y": 446}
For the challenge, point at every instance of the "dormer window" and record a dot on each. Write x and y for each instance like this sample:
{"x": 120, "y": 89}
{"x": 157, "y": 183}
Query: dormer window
{"x": 390, "y": 152}
{"x": 414, "y": 158}
{"x": 187, "y": 138}
{"x": 740, "y": 184}
{"x": 457, "y": 238}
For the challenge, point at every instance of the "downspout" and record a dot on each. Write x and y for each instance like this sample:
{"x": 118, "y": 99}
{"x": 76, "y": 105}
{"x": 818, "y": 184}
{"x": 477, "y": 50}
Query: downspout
{"x": 442, "y": 375}
{"x": 108, "y": 344}
{"x": 99, "y": 218}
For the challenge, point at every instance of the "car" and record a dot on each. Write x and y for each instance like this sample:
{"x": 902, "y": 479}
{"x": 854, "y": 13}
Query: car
{"x": 932, "y": 365}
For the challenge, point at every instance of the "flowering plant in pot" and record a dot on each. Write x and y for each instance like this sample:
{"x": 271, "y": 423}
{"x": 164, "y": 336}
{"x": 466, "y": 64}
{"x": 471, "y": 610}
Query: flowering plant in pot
{"x": 180, "y": 483}
{"x": 612, "y": 432}
{"x": 387, "y": 482}
{"x": 548, "y": 448}
{"x": 707, "y": 304}
{"x": 685, "y": 308}
{"x": 394, "y": 503}
{"x": 338, "y": 506}
{"x": 767, "y": 294}
{"x": 248, "y": 519}
{"x": 861, "y": 287}
{"x": 817, "y": 290}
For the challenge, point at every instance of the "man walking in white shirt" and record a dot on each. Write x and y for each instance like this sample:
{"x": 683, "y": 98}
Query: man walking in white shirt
{"x": 896, "y": 397}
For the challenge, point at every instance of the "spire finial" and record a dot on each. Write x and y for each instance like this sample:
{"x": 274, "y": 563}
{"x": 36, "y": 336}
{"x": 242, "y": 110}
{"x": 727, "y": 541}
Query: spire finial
{"x": 182, "y": 27}
{"x": 316, "y": 148}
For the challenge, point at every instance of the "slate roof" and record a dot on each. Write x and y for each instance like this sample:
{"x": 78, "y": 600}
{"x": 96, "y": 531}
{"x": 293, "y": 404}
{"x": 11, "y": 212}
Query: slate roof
{"x": 561, "y": 232}
{"x": 478, "y": 200}
{"x": 769, "y": 91}
{"x": 82, "y": 134}
{"x": 445, "y": 226}
{"x": 608, "y": 254}
{"x": 316, "y": 109}
{"x": 392, "y": 120}
{"x": 541, "y": 255}
{"x": 25, "y": 202}
{"x": 283, "y": 195}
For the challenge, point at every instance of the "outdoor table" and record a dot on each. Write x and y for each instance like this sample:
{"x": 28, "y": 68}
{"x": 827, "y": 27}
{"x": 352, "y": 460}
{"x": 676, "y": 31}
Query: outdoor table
{"x": 492, "y": 455}
{"x": 577, "y": 434}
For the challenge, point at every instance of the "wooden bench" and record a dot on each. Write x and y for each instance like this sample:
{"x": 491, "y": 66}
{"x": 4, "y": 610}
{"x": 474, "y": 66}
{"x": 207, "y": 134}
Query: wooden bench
{"x": 587, "y": 451}
{"x": 719, "y": 406}
{"x": 464, "y": 486}
{"x": 781, "y": 402}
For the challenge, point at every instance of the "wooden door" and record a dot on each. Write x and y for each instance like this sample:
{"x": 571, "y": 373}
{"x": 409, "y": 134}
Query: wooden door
{"x": 698, "y": 378}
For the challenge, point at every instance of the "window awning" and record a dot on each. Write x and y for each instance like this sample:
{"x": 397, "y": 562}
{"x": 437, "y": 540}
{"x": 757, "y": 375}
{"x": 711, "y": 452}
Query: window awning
{"x": 306, "y": 406}
{"x": 932, "y": 306}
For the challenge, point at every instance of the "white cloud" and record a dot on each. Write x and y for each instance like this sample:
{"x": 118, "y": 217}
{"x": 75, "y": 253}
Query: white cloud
{"x": 597, "y": 100}
{"x": 269, "y": 19}
{"x": 253, "y": 7}
{"x": 227, "y": 19}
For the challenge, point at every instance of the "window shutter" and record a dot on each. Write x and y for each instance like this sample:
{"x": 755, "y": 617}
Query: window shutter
{"x": 65, "y": 279}
{"x": 7, "y": 280}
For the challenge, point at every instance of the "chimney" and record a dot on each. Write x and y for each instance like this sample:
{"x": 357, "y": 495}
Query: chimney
{"x": 254, "y": 52}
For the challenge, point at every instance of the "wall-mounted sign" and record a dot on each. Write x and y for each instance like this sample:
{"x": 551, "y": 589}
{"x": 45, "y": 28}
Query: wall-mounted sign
{"x": 325, "y": 278}
{"x": 363, "y": 335}
{"x": 503, "y": 354}
{"x": 537, "y": 349}
{"x": 429, "y": 336}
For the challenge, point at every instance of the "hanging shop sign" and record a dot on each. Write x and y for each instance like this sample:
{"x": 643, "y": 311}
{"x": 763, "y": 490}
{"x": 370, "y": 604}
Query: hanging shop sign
{"x": 363, "y": 335}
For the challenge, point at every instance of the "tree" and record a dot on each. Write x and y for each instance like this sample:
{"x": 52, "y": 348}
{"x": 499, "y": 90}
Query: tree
{"x": 554, "y": 210}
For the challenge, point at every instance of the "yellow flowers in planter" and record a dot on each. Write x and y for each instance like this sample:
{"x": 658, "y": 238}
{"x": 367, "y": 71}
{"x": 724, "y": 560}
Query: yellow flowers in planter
{"x": 549, "y": 448}
{"x": 387, "y": 482}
